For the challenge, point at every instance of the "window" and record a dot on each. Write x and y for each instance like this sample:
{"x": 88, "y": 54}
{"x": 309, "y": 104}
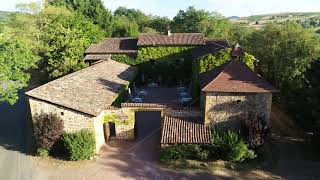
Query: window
{"x": 62, "y": 113}
{"x": 238, "y": 101}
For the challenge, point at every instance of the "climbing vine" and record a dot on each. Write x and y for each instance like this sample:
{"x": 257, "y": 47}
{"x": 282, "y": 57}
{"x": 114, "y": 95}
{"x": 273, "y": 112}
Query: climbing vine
{"x": 159, "y": 53}
{"x": 208, "y": 62}
{"x": 124, "y": 58}
{"x": 120, "y": 119}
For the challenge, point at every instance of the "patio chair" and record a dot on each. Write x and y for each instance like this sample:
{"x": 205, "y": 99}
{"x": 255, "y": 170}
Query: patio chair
{"x": 137, "y": 100}
{"x": 142, "y": 92}
{"x": 153, "y": 85}
{"x": 184, "y": 94}
{"x": 182, "y": 89}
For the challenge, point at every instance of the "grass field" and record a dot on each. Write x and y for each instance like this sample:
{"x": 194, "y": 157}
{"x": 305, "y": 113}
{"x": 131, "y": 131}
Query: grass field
{"x": 261, "y": 20}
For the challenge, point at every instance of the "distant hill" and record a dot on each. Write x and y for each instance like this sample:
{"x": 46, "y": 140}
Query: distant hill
{"x": 263, "y": 19}
{"x": 233, "y": 17}
{"x": 4, "y": 15}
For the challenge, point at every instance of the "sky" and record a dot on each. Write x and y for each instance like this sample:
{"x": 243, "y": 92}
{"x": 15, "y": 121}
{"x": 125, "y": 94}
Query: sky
{"x": 227, "y": 8}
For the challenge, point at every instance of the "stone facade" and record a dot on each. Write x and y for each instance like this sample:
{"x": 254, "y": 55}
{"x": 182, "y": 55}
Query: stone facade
{"x": 125, "y": 129}
{"x": 183, "y": 112}
{"x": 224, "y": 109}
{"x": 73, "y": 121}
{"x": 99, "y": 131}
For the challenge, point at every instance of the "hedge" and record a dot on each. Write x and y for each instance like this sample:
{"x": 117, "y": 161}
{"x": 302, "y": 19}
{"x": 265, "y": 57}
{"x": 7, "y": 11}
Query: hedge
{"x": 225, "y": 145}
{"x": 80, "y": 145}
{"x": 229, "y": 145}
{"x": 183, "y": 151}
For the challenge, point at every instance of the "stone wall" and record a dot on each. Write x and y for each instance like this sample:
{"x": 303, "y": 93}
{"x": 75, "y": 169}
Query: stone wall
{"x": 99, "y": 131}
{"x": 73, "y": 121}
{"x": 124, "y": 126}
{"x": 183, "y": 112}
{"x": 224, "y": 109}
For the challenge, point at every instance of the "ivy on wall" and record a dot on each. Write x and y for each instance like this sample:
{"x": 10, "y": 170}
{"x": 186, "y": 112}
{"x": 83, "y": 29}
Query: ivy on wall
{"x": 165, "y": 64}
{"x": 124, "y": 58}
{"x": 120, "y": 119}
{"x": 211, "y": 61}
{"x": 208, "y": 62}
{"x": 159, "y": 53}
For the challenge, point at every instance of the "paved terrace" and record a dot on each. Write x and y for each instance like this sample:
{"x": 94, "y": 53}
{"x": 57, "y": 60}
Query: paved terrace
{"x": 89, "y": 90}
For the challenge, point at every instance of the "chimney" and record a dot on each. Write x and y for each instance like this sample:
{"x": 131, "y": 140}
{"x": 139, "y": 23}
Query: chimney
{"x": 169, "y": 30}
{"x": 237, "y": 52}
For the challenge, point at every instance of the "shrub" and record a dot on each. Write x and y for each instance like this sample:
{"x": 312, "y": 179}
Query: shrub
{"x": 48, "y": 130}
{"x": 228, "y": 145}
{"x": 79, "y": 145}
{"x": 183, "y": 151}
{"x": 42, "y": 152}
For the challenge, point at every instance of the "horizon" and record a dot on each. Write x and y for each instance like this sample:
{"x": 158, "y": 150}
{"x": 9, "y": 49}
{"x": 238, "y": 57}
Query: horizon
{"x": 243, "y": 8}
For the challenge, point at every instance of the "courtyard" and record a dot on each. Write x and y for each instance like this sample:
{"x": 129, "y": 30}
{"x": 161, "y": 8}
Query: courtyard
{"x": 137, "y": 160}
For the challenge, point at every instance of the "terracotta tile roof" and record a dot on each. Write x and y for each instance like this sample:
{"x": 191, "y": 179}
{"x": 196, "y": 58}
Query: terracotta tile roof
{"x": 173, "y": 39}
{"x": 150, "y": 105}
{"x": 114, "y": 45}
{"x": 184, "y": 130}
{"x": 89, "y": 90}
{"x": 211, "y": 46}
{"x": 234, "y": 76}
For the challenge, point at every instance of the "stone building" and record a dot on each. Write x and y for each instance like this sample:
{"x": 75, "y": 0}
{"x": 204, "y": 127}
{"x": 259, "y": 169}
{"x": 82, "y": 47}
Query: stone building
{"x": 110, "y": 46}
{"x": 82, "y": 98}
{"x": 233, "y": 89}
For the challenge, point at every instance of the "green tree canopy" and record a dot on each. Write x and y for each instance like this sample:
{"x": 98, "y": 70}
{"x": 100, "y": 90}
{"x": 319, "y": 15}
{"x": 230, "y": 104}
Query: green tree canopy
{"x": 133, "y": 15}
{"x": 66, "y": 36}
{"x": 15, "y": 58}
{"x": 92, "y": 9}
{"x": 211, "y": 24}
{"x": 160, "y": 24}
{"x": 285, "y": 52}
{"x": 123, "y": 27}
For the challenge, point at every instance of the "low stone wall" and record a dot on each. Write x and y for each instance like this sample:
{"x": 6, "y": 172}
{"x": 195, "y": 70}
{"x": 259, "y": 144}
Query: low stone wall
{"x": 124, "y": 125}
{"x": 183, "y": 112}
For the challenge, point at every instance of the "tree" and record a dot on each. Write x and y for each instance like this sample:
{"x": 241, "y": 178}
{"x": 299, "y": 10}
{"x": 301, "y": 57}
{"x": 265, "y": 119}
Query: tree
{"x": 238, "y": 34}
{"x": 285, "y": 52}
{"x": 133, "y": 15}
{"x": 215, "y": 26}
{"x": 18, "y": 50}
{"x": 160, "y": 24}
{"x": 15, "y": 58}
{"x": 123, "y": 27}
{"x": 211, "y": 24}
{"x": 189, "y": 21}
{"x": 92, "y": 9}
{"x": 31, "y": 8}
{"x": 66, "y": 36}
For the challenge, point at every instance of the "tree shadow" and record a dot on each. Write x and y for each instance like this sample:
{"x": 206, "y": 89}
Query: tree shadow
{"x": 112, "y": 86}
{"x": 16, "y": 126}
{"x": 139, "y": 160}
